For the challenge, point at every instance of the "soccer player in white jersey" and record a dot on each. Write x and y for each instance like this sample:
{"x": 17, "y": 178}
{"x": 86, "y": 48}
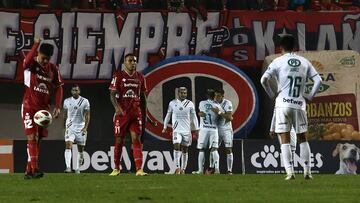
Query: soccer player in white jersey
{"x": 183, "y": 116}
{"x": 209, "y": 112}
{"x": 76, "y": 119}
{"x": 225, "y": 127}
{"x": 291, "y": 72}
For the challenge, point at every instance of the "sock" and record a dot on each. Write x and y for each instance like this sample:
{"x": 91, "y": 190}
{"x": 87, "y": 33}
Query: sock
{"x": 201, "y": 161}
{"x": 184, "y": 160}
{"x": 28, "y": 165}
{"x": 67, "y": 156}
{"x": 286, "y": 156}
{"x": 305, "y": 156}
{"x": 215, "y": 155}
{"x": 117, "y": 155}
{"x": 76, "y": 164}
{"x": 81, "y": 155}
{"x": 137, "y": 153}
{"x": 211, "y": 160}
{"x": 177, "y": 155}
{"x": 229, "y": 160}
{"x": 32, "y": 147}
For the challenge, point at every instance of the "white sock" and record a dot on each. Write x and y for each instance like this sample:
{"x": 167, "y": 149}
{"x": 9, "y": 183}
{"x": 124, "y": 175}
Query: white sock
{"x": 67, "y": 156}
{"x": 177, "y": 155}
{"x": 286, "y": 156}
{"x": 76, "y": 165}
{"x": 211, "y": 160}
{"x": 184, "y": 160}
{"x": 201, "y": 161}
{"x": 216, "y": 158}
{"x": 305, "y": 156}
{"x": 229, "y": 160}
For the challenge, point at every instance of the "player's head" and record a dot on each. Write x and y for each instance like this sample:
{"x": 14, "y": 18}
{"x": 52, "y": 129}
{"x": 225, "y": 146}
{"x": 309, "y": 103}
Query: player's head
{"x": 219, "y": 94}
{"x": 287, "y": 43}
{"x": 75, "y": 91}
{"x": 182, "y": 93}
{"x": 130, "y": 62}
{"x": 210, "y": 94}
{"x": 45, "y": 52}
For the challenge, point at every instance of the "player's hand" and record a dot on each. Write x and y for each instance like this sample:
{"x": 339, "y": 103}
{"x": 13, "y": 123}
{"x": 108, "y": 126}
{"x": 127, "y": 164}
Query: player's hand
{"x": 202, "y": 114}
{"x": 84, "y": 130}
{"x": 163, "y": 131}
{"x": 56, "y": 112}
{"x": 119, "y": 111}
{"x": 272, "y": 134}
{"x": 215, "y": 110}
{"x": 37, "y": 40}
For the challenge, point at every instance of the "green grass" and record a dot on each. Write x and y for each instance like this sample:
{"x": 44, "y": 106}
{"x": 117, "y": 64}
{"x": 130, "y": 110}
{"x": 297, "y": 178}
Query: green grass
{"x": 99, "y": 187}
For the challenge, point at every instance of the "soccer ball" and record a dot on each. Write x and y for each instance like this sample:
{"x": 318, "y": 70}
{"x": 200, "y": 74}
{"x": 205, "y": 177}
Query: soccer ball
{"x": 43, "y": 118}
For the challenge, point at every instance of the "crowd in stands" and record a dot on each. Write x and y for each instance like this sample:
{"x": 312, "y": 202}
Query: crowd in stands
{"x": 198, "y": 6}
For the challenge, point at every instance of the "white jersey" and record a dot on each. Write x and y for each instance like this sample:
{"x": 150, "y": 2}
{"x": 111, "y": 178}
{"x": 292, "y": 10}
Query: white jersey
{"x": 76, "y": 109}
{"x": 210, "y": 121}
{"x": 291, "y": 72}
{"x": 182, "y": 115}
{"x": 226, "y": 106}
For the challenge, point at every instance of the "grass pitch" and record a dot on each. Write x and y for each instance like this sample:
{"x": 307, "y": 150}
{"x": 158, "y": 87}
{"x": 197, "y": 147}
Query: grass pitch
{"x": 99, "y": 187}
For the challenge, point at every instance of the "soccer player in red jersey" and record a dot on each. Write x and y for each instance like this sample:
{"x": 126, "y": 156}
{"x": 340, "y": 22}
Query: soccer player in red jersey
{"x": 127, "y": 94}
{"x": 41, "y": 79}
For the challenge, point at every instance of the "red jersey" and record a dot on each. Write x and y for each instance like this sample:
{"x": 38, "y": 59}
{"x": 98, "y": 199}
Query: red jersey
{"x": 129, "y": 88}
{"x": 39, "y": 82}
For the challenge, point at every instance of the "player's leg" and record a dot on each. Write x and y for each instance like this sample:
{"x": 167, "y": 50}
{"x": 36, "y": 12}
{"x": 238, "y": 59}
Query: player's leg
{"x": 81, "y": 141}
{"x": 282, "y": 127}
{"x": 185, "y": 143}
{"x": 69, "y": 140}
{"x": 135, "y": 132}
{"x": 201, "y": 145}
{"x": 228, "y": 142}
{"x": 214, "y": 145}
{"x": 177, "y": 151}
{"x": 119, "y": 133}
{"x": 305, "y": 152}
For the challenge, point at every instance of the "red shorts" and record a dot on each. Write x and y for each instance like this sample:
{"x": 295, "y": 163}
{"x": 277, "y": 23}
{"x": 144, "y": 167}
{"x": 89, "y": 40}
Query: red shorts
{"x": 128, "y": 122}
{"x": 30, "y": 127}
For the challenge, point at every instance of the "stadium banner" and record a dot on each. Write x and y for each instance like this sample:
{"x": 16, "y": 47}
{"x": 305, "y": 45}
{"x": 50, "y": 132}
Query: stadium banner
{"x": 90, "y": 45}
{"x": 327, "y": 157}
{"x": 6, "y": 156}
{"x": 98, "y": 155}
{"x": 333, "y": 113}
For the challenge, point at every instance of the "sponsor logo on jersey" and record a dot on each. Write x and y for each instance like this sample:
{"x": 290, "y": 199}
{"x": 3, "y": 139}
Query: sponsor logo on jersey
{"x": 41, "y": 88}
{"x": 198, "y": 73}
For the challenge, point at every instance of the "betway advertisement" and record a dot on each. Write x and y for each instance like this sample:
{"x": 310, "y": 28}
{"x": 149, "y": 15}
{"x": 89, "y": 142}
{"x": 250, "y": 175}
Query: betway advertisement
{"x": 90, "y": 45}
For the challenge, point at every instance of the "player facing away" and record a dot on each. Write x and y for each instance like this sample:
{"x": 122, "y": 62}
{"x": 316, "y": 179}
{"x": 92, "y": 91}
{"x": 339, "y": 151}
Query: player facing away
{"x": 41, "y": 80}
{"x": 209, "y": 111}
{"x": 76, "y": 123}
{"x": 183, "y": 117}
{"x": 291, "y": 72}
{"x": 127, "y": 95}
{"x": 225, "y": 129}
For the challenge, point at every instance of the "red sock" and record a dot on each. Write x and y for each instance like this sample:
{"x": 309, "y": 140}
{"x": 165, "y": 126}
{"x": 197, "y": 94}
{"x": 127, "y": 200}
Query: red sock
{"x": 32, "y": 147}
{"x": 28, "y": 165}
{"x": 137, "y": 153}
{"x": 117, "y": 154}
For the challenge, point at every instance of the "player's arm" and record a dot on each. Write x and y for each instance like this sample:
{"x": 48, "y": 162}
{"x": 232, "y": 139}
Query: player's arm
{"x": 194, "y": 119}
{"x": 167, "y": 118}
{"x": 87, "y": 120}
{"x": 317, "y": 82}
{"x": 266, "y": 85}
{"x": 30, "y": 56}
{"x": 65, "y": 117}
{"x": 118, "y": 109}
{"x": 58, "y": 98}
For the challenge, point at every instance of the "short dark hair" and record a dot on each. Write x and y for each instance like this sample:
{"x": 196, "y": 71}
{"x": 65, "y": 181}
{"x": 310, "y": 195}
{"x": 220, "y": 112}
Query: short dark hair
{"x": 46, "y": 49}
{"x": 210, "y": 93}
{"x": 129, "y": 54}
{"x": 287, "y": 42}
{"x": 75, "y": 85}
{"x": 219, "y": 90}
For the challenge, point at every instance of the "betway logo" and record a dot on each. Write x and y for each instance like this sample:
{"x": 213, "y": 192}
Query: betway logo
{"x": 292, "y": 101}
{"x": 269, "y": 157}
{"x": 101, "y": 160}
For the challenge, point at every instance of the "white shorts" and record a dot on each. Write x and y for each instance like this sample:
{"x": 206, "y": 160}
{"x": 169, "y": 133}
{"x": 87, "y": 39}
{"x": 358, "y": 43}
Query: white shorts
{"x": 77, "y": 137}
{"x": 286, "y": 118}
{"x": 208, "y": 139}
{"x": 183, "y": 139}
{"x": 226, "y": 136}
{"x": 293, "y": 137}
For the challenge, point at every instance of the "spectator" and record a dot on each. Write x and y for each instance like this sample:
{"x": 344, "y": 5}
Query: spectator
{"x": 197, "y": 6}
